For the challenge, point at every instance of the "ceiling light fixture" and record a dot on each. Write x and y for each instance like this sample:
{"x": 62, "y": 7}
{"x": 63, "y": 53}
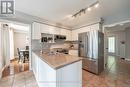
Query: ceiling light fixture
{"x": 89, "y": 8}
{"x": 97, "y": 5}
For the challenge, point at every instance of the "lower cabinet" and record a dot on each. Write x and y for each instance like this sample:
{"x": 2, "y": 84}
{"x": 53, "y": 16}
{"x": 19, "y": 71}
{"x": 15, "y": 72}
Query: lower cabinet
{"x": 70, "y": 76}
{"x": 67, "y": 76}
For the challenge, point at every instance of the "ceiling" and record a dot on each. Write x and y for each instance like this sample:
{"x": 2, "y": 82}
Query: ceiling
{"x": 18, "y": 27}
{"x": 57, "y": 10}
{"x": 118, "y": 27}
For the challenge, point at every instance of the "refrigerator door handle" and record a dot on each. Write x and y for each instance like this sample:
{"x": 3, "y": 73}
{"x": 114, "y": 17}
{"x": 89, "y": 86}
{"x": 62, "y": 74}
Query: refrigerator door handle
{"x": 87, "y": 44}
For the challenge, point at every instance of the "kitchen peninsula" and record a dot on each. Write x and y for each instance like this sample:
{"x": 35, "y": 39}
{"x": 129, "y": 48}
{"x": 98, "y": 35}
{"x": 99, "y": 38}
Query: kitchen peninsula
{"x": 57, "y": 70}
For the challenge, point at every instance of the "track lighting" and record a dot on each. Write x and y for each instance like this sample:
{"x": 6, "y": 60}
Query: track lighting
{"x": 89, "y": 8}
{"x": 97, "y": 5}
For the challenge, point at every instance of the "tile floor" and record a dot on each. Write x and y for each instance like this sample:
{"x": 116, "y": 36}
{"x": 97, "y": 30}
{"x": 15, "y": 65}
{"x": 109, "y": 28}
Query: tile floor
{"x": 23, "y": 79}
{"x": 117, "y": 74}
{"x": 15, "y": 67}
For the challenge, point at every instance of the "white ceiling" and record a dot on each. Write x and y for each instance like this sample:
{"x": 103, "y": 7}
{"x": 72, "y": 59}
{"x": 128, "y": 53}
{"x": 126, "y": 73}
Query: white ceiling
{"x": 118, "y": 27}
{"x": 56, "y": 10}
{"x": 18, "y": 27}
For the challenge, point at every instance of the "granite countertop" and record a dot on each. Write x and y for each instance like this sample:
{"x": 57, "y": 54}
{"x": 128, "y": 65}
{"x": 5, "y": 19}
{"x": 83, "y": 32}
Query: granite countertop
{"x": 58, "y": 60}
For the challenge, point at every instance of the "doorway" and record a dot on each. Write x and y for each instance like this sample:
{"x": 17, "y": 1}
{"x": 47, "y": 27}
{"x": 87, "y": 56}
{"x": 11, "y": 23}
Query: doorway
{"x": 111, "y": 45}
{"x": 15, "y": 35}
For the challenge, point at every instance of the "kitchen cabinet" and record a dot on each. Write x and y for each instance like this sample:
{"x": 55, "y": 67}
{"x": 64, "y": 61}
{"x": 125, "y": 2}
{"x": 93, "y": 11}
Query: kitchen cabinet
{"x": 84, "y": 29}
{"x": 49, "y": 29}
{"x": 35, "y": 64}
{"x": 74, "y": 35}
{"x": 67, "y": 33}
{"x": 46, "y": 76}
{"x": 70, "y": 35}
{"x": 70, "y": 76}
{"x": 54, "y": 30}
{"x": 95, "y": 27}
{"x": 39, "y": 28}
{"x": 36, "y": 31}
{"x": 44, "y": 28}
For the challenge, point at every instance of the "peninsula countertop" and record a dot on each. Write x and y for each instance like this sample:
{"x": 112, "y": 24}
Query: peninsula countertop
{"x": 58, "y": 60}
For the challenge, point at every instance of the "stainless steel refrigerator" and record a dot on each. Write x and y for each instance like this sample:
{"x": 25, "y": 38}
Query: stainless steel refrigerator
{"x": 91, "y": 48}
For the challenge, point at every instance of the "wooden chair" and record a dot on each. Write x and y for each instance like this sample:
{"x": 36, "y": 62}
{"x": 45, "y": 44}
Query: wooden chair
{"x": 27, "y": 47}
{"x": 27, "y": 53}
{"x": 20, "y": 55}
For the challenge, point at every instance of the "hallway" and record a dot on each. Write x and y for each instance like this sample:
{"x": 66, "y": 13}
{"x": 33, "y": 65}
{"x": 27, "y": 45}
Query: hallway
{"x": 117, "y": 74}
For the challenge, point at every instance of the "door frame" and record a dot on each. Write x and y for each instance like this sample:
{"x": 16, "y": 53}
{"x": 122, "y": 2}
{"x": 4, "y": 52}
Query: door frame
{"x": 107, "y": 44}
{"x": 103, "y": 30}
{"x": 30, "y": 37}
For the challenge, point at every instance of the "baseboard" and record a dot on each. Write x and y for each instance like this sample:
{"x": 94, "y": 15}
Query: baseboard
{"x": 127, "y": 59}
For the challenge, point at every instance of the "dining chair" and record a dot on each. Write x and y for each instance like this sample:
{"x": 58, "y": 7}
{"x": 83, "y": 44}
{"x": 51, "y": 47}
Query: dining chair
{"x": 27, "y": 53}
{"x": 27, "y": 47}
{"x": 19, "y": 54}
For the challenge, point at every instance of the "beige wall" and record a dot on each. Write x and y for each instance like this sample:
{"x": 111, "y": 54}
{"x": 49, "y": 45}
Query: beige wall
{"x": 19, "y": 41}
{"x": 120, "y": 36}
{"x": 2, "y": 60}
{"x": 128, "y": 43}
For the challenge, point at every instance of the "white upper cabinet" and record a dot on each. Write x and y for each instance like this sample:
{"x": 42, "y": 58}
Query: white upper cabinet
{"x": 70, "y": 35}
{"x": 36, "y": 31}
{"x": 75, "y": 35}
{"x": 54, "y": 30}
{"x": 95, "y": 27}
{"x": 44, "y": 28}
{"x": 84, "y": 29}
{"x": 49, "y": 29}
{"x": 67, "y": 33}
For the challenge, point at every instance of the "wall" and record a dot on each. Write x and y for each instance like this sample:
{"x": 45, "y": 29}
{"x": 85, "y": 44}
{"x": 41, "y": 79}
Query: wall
{"x": 19, "y": 41}
{"x": 1, "y": 60}
{"x": 63, "y": 45}
{"x": 120, "y": 36}
{"x": 2, "y": 63}
{"x": 128, "y": 43}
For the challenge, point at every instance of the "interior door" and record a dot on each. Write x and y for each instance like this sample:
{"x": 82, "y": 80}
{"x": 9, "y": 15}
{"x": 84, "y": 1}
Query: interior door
{"x": 111, "y": 46}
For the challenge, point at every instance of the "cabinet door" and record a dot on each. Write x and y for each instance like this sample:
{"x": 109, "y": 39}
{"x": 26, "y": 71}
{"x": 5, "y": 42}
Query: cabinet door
{"x": 74, "y": 35}
{"x": 35, "y": 64}
{"x": 70, "y": 76}
{"x": 54, "y": 30}
{"x": 67, "y": 33}
{"x": 36, "y": 33}
{"x": 95, "y": 27}
{"x": 44, "y": 28}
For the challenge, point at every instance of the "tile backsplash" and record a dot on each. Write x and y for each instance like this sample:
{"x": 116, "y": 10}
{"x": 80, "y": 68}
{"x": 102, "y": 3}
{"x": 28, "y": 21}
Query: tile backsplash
{"x": 36, "y": 45}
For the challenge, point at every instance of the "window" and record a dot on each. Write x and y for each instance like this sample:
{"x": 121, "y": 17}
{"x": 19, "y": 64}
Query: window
{"x": 111, "y": 44}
